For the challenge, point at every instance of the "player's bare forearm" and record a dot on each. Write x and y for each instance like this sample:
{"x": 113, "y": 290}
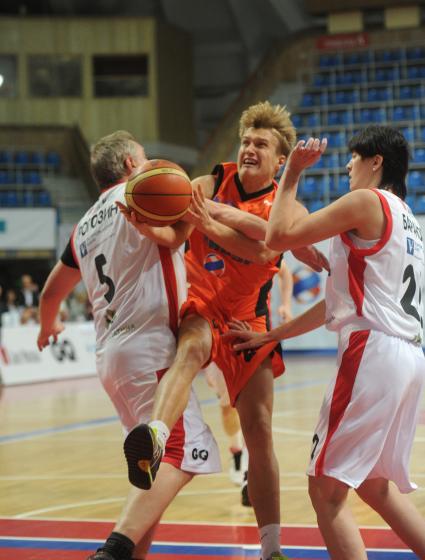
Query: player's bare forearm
{"x": 250, "y": 225}
{"x": 237, "y": 243}
{"x": 59, "y": 284}
{"x": 308, "y": 321}
{"x": 169, "y": 236}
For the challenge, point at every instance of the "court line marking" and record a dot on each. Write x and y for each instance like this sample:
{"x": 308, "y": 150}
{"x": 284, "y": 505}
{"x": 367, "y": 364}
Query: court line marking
{"x": 98, "y": 422}
{"x": 201, "y": 523}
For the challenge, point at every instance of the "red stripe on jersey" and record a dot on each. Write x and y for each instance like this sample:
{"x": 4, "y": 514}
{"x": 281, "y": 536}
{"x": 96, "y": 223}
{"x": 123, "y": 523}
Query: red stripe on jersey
{"x": 170, "y": 286}
{"x": 174, "y": 448}
{"x": 385, "y": 236}
{"x": 343, "y": 389}
{"x": 356, "y": 268}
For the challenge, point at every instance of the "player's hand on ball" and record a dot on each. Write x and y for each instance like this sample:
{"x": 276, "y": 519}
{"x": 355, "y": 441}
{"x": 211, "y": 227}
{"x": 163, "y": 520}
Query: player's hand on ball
{"x": 197, "y": 213}
{"x": 129, "y": 215}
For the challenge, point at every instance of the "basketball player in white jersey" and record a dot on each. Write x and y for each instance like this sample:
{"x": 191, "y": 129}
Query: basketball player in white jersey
{"x": 368, "y": 418}
{"x": 136, "y": 283}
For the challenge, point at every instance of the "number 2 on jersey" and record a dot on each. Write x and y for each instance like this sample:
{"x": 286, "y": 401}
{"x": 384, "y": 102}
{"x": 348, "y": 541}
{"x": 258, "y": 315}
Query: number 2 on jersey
{"x": 409, "y": 295}
{"x": 100, "y": 262}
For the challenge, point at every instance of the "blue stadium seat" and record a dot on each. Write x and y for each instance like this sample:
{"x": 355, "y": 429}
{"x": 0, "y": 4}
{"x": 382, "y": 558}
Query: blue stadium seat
{"x": 415, "y": 53}
{"x": 53, "y": 159}
{"x": 421, "y": 134}
{"x": 379, "y": 115}
{"x": 336, "y": 139}
{"x": 344, "y": 159}
{"x": 406, "y": 92}
{"x": 419, "y": 207}
{"x": 43, "y": 198}
{"x": 343, "y": 184}
{"x": 416, "y": 180}
{"x": 3, "y": 178}
{"x": 6, "y": 156}
{"x": 321, "y": 80}
{"x": 312, "y": 119}
{"x": 297, "y": 120}
{"x": 388, "y": 55}
{"x": 399, "y": 113}
{"x": 328, "y": 60}
{"x": 11, "y": 199}
{"x": 333, "y": 118}
{"x": 408, "y": 133}
{"x": 311, "y": 185}
{"x": 37, "y": 158}
{"x": 320, "y": 164}
{"x": 21, "y": 157}
{"x": 315, "y": 205}
{"x": 419, "y": 155}
{"x": 410, "y": 200}
{"x": 415, "y": 72}
{"x": 32, "y": 178}
{"x": 11, "y": 178}
{"x": 28, "y": 198}
{"x": 307, "y": 100}
{"x": 353, "y": 58}
{"x": 365, "y": 116}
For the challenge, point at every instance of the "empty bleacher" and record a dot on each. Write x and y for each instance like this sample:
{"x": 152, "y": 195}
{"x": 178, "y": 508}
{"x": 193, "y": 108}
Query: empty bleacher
{"x": 349, "y": 90}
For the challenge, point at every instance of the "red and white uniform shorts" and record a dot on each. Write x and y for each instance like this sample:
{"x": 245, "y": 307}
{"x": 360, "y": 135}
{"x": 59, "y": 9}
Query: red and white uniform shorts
{"x": 369, "y": 414}
{"x": 191, "y": 446}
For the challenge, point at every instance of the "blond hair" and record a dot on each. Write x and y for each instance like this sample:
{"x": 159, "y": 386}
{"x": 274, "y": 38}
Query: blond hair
{"x": 108, "y": 155}
{"x": 273, "y": 117}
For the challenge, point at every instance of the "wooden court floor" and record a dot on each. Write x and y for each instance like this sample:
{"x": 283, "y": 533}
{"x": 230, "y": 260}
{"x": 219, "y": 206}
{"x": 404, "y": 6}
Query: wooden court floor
{"x": 63, "y": 476}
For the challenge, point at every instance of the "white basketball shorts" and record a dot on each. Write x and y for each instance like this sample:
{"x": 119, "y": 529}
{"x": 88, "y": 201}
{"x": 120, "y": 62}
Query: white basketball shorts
{"x": 369, "y": 414}
{"x": 191, "y": 446}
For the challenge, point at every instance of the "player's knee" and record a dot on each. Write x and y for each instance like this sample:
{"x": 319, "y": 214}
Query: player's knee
{"x": 373, "y": 491}
{"x": 257, "y": 426}
{"x": 326, "y": 493}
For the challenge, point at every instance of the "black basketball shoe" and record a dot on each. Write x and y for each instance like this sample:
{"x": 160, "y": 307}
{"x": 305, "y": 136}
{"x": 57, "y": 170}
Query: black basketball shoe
{"x": 143, "y": 454}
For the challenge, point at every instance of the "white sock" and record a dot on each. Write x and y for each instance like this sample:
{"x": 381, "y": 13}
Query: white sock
{"x": 270, "y": 540}
{"x": 162, "y": 432}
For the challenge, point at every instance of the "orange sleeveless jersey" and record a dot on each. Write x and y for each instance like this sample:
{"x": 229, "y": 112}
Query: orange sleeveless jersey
{"x": 233, "y": 286}
{"x": 223, "y": 286}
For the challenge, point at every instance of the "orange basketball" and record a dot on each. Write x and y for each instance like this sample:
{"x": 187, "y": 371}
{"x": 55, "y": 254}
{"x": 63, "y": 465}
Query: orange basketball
{"x": 161, "y": 194}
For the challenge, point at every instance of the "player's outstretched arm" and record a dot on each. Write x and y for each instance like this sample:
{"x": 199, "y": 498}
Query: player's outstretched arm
{"x": 353, "y": 211}
{"x": 245, "y": 339}
{"x": 59, "y": 284}
{"x": 250, "y": 225}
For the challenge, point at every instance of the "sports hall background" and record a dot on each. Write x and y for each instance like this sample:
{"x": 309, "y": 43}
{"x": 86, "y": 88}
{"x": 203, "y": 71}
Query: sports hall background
{"x": 177, "y": 74}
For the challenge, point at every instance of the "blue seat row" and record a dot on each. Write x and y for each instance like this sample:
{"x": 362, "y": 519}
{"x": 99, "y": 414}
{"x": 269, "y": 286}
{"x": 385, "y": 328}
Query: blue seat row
{"x": 15, "y": 198}
{"x": 30, "y": 158}
{"x": 23, "y": 178}
{"x": 369, "y": 95}
{"x": 368, "y": 57}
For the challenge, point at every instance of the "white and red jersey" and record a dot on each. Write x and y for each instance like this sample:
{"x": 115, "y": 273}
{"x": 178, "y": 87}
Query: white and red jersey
{"x": 135, "y": 287}
{"x": 378, "y": 284}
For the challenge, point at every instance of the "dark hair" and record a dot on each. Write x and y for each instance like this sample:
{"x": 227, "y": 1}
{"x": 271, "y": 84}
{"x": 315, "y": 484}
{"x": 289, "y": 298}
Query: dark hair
{"x": 389, "y": 143}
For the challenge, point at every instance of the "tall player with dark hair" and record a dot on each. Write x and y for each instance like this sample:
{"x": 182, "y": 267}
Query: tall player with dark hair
{"x": 368, "y": 418}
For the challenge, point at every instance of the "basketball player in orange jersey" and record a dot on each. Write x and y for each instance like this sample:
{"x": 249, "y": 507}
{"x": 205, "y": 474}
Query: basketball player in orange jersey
{"x": 230, "y": 277}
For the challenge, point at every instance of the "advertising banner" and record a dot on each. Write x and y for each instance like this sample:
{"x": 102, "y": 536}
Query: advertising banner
{"x": 72, "y": 356}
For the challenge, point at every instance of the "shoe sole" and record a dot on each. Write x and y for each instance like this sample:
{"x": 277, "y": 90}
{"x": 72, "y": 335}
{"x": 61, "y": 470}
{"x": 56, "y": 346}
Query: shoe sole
{"x": 138, "y": 450}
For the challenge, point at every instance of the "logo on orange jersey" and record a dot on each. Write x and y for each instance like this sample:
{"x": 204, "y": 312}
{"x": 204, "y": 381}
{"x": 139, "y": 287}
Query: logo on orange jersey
{"x": 215, "y": 264}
